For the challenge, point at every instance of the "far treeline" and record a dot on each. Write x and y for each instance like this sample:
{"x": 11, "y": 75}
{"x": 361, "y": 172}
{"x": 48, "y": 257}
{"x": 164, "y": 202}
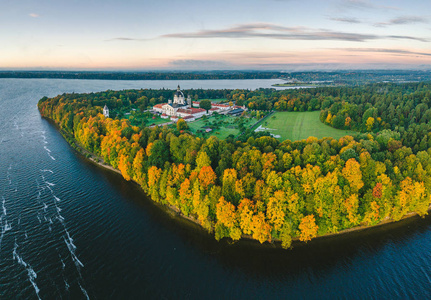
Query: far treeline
{"x": 143, "y": 75}
{"x": 262, "y": 188}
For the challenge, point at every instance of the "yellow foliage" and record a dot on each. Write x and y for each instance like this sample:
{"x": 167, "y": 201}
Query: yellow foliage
{"x": 261, "y": 229}
{"x": 246, "y": 210}
{"x": 370, "y": 123}
{"x": 353, "y": 174}
{"x": 308, "y": 228}
{"x": 225, "y": 213}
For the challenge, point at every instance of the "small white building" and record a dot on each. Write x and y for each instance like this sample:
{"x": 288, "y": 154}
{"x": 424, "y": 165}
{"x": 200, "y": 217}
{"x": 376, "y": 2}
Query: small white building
{"x": 106, "y": 111}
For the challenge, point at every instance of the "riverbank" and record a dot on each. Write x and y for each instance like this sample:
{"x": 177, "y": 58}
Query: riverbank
{"x": 177, "y": 213}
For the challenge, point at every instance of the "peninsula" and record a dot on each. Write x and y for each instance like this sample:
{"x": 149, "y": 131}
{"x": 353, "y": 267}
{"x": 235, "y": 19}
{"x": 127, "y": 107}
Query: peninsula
{"x": 237, "y": 182}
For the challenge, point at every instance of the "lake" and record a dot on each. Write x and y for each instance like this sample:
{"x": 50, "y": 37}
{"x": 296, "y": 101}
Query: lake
{"x": 73, "y": 230}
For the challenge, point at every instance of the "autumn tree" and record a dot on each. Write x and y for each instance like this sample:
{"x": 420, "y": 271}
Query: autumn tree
{"x": 226, "y": 216}
{"x": 308, "y": 228}
{"x": 182, "y": 125}
{"x": 207, "y": 177}
{"x": 260, "y": 228}
{"x": 246, "y": 210}
{"x": 353, "y": 174}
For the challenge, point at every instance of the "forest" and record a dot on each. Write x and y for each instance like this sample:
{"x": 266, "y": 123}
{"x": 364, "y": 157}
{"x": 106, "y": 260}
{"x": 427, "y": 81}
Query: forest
{"x": 259, "y": 187}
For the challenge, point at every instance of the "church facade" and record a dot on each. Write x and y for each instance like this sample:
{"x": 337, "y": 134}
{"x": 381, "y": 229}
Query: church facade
{"x": 180, "y": 107}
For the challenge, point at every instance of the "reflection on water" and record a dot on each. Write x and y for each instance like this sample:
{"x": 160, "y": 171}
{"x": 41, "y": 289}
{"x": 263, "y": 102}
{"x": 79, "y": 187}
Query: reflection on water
{"x": 70, "y": 229}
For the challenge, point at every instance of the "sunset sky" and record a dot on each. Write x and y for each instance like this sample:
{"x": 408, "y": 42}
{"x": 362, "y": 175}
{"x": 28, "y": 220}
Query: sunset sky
{"x": 208, "y": 35}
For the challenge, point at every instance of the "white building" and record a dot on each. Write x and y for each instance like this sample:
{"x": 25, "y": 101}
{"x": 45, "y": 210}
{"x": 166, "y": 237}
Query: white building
{"x": 106, "y": 111}
{"x": 179, "y": 108}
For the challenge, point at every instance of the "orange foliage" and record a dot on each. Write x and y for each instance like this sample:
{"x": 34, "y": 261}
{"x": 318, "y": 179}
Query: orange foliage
{"x": 123, "y": 166}
{"x": 261, "y": 229}
{"x": 308, "y": 228}
{"x": 178, "y": 172}
{"x": 377, "y": 190}
{"x": 207, "y": 176}
{"x": 225, "y": 212}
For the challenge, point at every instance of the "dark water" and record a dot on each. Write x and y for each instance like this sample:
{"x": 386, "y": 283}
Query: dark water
{"x": 72, "y": 230}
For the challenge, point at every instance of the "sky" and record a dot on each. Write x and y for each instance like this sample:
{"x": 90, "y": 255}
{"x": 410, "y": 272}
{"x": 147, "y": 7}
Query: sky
{"x": 214, "y": 35}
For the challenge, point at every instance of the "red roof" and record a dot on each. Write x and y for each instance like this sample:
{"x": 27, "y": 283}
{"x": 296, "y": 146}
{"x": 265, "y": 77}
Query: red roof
{"x": 219, "y": 105}
{"x": 196, "y": 110}
{"x": 214, "y": 108}
{"x": 191, "y": 111}
{"x": 184, "y": 111}
{"x": 159, "y": 105}
{"x": 187, "y": 117}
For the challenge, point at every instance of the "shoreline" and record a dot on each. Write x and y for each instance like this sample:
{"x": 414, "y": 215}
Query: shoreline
{"x": 176, "y": 212}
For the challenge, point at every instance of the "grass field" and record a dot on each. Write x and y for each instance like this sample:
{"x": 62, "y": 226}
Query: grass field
{"x": 301, "y": 125}
{"x": 137, "y": 120}
{"x": 227, "y": 128}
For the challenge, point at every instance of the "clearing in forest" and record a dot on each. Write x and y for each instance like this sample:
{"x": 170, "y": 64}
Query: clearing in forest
{"x": 301, "y": 125}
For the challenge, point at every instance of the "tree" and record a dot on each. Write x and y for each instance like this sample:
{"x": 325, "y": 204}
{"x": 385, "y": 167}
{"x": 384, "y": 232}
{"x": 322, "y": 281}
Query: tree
{"x": 228, "y": 187}
{"x": 351, "y": 205}
{"x": 158, "y": 154}
{"x": 153, "y": 179}
{"x": 207, "y": 177}
{"x": 353, "y": 174}
{"x": 260, "y": 228}
{"x": 185, "y": 197}
{"x": 276, "y": 210}
{"x": 226, "y": 216}
{"x": 308, "y": 228}
{"x": 246, "y": 209}
{"x": 202, "y": 160}
{"x": 205, "y": 104}
{"x": 182, "y": 125}
{"x": 370, "y": 123}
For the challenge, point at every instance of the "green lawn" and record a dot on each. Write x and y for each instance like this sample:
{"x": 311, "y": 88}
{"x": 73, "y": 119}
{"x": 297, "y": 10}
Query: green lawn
{"x": 227, "y": 128}
{"x": 136, "y": 121}
{"x": 156, "y": 121}
{"x": 301, "y": 125}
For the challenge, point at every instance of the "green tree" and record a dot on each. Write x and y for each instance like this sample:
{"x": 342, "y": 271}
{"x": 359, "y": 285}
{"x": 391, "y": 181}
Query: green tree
{"x": 205, "y": 104}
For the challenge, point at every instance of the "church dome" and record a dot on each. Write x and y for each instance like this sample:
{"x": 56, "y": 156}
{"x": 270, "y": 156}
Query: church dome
{"x": 179, "y": 93}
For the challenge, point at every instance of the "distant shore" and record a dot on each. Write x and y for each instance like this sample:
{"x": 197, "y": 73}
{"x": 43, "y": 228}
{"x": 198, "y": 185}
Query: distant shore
{"x": 299, "y": 84}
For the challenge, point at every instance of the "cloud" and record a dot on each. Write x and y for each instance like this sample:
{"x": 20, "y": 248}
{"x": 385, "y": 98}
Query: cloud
{"x": 403, "y": 21}
{"x": 363, "y": 5}
{"x": 384, "y": 50}
{"x": 346, "y": 20}
{"x": 34, "y": 15}
{"x": 271, "y": 31}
